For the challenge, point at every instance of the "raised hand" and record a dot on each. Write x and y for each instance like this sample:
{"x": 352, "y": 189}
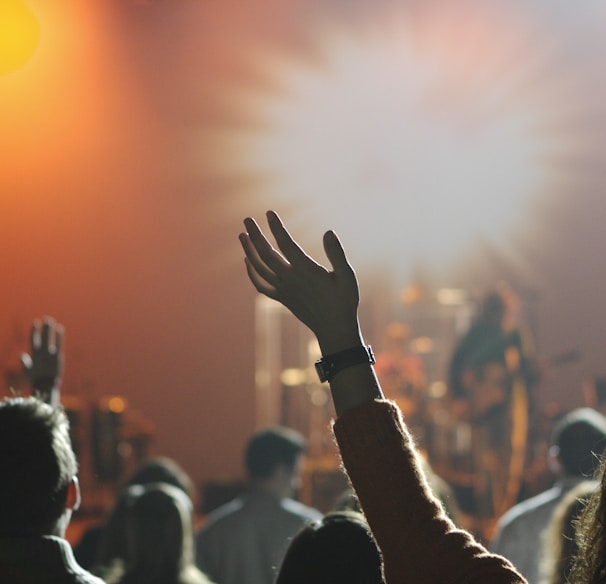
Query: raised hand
{"x": 326, "y": 301}
{"x": 44, "y": 366}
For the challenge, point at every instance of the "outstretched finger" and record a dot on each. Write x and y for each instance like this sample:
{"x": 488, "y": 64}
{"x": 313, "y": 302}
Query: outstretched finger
{"x": 288, "y": 246}
{"x": 264, "y": 249}
{"x": 255, "y": 260}
{"x": 34, "y": 338}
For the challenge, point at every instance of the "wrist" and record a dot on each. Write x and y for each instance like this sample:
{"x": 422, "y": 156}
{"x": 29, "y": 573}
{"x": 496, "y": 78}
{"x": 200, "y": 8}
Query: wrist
{"x": 330, "y": 365}
{"x": 340, "y": 338}
{"x": 45, "y": 383}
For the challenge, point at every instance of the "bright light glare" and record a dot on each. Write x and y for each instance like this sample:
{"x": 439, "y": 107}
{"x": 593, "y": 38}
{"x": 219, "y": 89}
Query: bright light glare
{"x": 406, "y": 146}
{"x": 19, "y": 35}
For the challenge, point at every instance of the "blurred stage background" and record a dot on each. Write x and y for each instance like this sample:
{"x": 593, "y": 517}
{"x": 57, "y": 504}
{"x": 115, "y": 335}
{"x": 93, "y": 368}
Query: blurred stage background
{"x": 450, "y": 145}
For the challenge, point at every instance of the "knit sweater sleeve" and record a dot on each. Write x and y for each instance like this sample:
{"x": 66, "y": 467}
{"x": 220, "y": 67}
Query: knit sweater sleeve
{"x": 418, "y": 541}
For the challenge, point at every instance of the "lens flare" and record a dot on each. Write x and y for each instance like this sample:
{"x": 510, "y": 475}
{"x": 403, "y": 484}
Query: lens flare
{"x": 19, "y": 35}
{"x": 426, "y": 141}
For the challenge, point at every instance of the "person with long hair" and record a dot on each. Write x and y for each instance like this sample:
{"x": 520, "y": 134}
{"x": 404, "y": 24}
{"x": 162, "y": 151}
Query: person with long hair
{"x": 159, "y": 538}
{"x": 589, "y": 566}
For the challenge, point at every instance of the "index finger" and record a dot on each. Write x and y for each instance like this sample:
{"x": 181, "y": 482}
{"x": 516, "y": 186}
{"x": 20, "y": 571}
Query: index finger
{"x": 59, "y": 334}
{"x": 288, "y": 246}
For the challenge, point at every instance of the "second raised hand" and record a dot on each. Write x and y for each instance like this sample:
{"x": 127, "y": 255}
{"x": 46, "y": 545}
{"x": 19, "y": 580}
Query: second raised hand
{"x": 44, "y": 366}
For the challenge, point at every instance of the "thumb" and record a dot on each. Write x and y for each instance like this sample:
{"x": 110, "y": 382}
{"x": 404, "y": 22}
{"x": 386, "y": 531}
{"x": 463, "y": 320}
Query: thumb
{"x": 335, "y": 253}
{"x": 343, "y": 271}
{"x": 26, "y": 362}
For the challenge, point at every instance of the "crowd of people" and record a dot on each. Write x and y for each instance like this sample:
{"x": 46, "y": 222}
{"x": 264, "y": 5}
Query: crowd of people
{"x": 398, "y": 530}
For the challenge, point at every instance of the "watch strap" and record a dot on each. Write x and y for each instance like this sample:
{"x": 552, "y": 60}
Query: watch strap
{"x": 329, "y": 365}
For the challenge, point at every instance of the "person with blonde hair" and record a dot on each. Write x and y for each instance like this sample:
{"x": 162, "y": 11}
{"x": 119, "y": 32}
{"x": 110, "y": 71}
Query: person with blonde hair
{"x": 589, "y": 566}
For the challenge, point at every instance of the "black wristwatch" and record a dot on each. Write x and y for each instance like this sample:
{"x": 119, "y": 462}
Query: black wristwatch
{"x": 329, "y": 365}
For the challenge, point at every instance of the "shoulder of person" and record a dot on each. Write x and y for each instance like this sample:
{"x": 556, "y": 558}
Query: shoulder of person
{"x": 298, "y": 508}
{"x": 523, "y": 510}
{"x": 221, "y": 513}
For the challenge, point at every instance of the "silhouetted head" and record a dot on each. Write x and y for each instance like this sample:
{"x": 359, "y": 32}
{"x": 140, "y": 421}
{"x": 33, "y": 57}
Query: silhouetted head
{"x": 493, "y": 308}
{"x": 272, "y": 448}
{"x": 159, "y": 531}
{"x": 339, "y": 549}
{"x": 580, "y": 438}
{"x": 38, "y": 467}
{"x": 156, "y": 470}
{"x": 162, "y": 470}
{"x": 159, "y": 536}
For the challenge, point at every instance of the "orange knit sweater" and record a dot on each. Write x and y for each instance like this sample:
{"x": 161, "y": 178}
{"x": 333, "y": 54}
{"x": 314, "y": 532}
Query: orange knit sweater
{"x": 419, "y": 543}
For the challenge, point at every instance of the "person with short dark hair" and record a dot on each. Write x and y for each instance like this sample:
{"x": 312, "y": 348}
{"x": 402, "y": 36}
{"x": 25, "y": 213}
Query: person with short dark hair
{"x": 338, "y": 549}
{"x": 35, "y": 452}
{"x": 578, "y": 440}
{"x": 270, "y": 448}
{"x": 39, "y": 489}
{"x": 244, "y": 541}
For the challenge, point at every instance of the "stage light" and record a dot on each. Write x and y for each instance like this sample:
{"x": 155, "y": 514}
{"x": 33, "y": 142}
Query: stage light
{"x": 414, "y": 151}
{"x": 451, "y": 296}
{"x": 19, "y": 35}
{"x": 293, "y": 377}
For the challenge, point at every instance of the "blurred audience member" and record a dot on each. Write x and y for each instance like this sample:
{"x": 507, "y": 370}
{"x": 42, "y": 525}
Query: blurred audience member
{"x": 244, "y": 541}
{"x": 159, "y": 537}
{"x": 559, "y": 546}
{"x": 39, "y": 489}
{"x": 578, "y": 440}
{"x": 338, "y": 549}
{"x": 589, "y": 567}
{"x": 102, "y": 544}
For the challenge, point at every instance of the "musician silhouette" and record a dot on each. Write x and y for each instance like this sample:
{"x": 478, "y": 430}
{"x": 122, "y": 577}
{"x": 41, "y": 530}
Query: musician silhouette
{"x": 490, "y": 373}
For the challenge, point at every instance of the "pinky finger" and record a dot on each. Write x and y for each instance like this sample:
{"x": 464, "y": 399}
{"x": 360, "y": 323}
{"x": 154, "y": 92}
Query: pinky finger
{"x": 255, "y": 260}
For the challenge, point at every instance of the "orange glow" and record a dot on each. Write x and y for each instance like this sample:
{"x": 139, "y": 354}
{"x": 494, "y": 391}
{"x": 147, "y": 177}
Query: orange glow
{"x": 19, "y": 35}
{"x": 116, "y": 405}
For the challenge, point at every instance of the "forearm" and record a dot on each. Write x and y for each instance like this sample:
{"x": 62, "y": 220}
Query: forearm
{"x": 406, "y": 519}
